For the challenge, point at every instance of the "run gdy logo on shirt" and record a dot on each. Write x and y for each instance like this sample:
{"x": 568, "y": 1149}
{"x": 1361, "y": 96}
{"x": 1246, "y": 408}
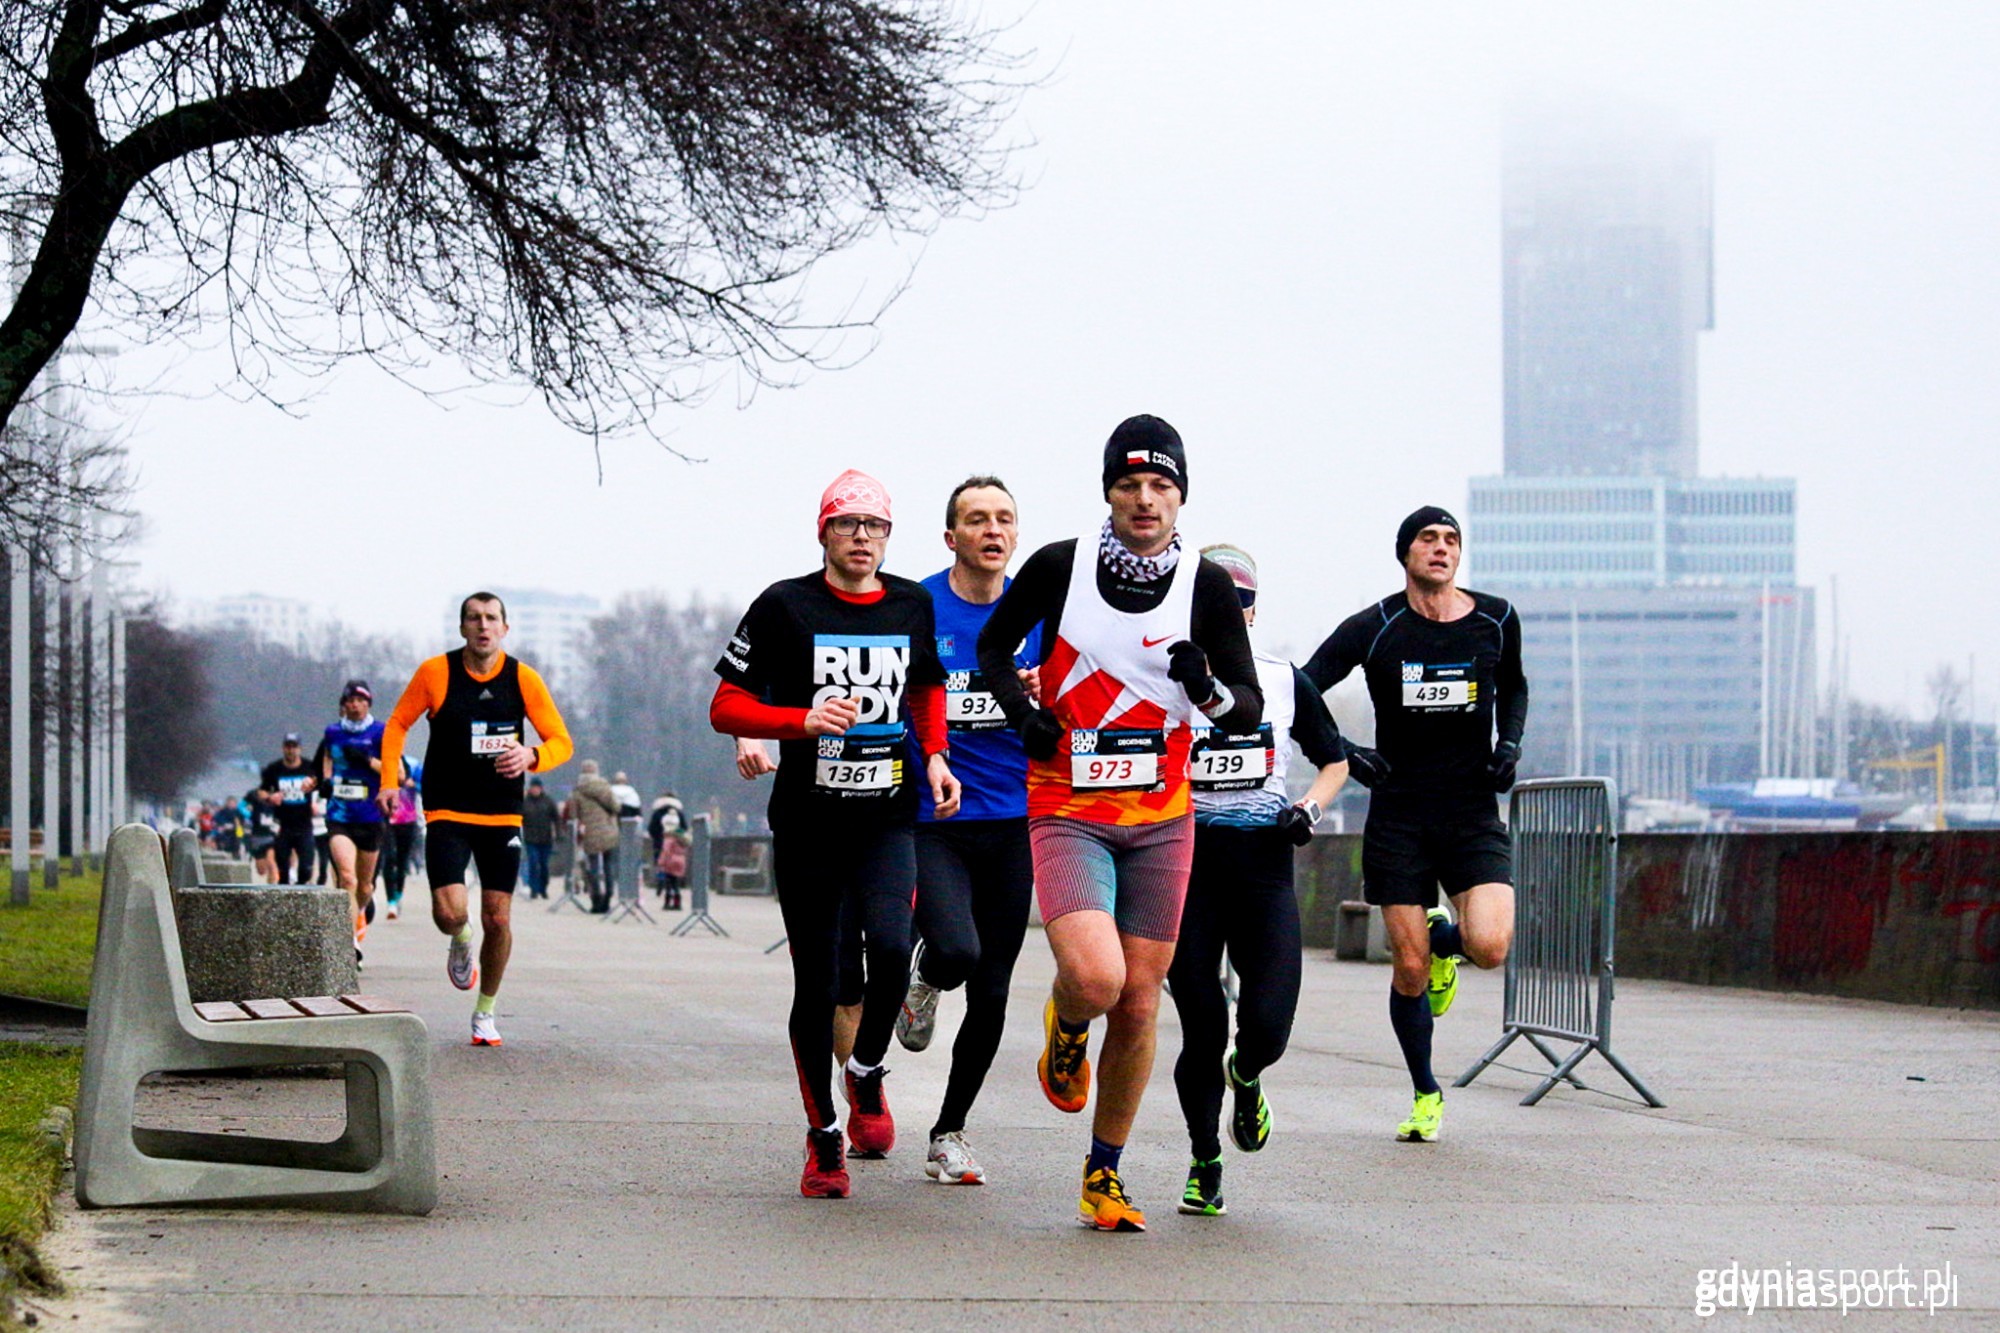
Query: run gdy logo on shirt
{"x": 872, "y": 671}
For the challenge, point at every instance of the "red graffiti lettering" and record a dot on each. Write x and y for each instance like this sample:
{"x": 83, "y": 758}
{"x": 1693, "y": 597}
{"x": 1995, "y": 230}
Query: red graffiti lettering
{"x": 1830, "y": 900}
{"x": 1985, "y": 927}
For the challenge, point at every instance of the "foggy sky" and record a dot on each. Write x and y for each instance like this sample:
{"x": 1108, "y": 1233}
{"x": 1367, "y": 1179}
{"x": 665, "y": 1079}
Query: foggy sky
{"x": 1278, "y": 227}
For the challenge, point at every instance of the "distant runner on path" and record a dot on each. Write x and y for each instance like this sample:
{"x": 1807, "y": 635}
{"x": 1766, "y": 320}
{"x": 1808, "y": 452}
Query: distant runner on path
{"x": 478, "y": 700}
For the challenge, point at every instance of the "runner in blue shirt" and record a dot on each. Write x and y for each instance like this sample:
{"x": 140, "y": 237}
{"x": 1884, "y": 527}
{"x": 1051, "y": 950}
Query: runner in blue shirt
{"x": 350, "y": 766}
{"x": 974, "y": 875}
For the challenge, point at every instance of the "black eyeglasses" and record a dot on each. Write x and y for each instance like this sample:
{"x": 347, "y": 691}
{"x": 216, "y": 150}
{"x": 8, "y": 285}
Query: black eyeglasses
{"x": 1246, "y": 598}
{"x": 849, "y": 524}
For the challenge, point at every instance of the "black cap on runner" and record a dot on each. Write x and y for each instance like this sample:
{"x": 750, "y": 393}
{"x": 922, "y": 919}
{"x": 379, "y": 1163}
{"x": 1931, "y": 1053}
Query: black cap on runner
{"x": 1145, "y": 444}
{"x": 1428, "y": 516}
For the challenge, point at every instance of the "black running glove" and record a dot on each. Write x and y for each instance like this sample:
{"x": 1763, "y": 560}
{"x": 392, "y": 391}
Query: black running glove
{"x": 1366, "y": 766}
{"x": 1187, "y": 665}
{"x": 1041, "y": 734}
{"x": 1296, "y": 824}
{"x": 1506, "y": 757}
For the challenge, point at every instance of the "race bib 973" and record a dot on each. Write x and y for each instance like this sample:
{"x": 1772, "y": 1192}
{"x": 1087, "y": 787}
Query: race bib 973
{"x": 1116, "y": 760}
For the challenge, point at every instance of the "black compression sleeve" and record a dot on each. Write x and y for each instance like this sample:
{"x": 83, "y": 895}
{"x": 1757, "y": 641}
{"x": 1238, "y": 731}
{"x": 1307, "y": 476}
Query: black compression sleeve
{"x": 1035, "y": 597}
{"x": 1219, "y": 631}
{"x": 1313, "y": 726}
{"x": 1345, "y": 649}
{"x": 1512, "y": 681}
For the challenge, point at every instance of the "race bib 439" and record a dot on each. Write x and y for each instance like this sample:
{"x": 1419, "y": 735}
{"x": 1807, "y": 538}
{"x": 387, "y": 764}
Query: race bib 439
{"x": 1440, "y": 687}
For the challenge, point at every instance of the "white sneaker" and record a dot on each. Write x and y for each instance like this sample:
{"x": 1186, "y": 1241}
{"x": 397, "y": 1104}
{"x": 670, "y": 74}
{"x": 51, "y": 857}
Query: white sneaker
{"x": 485, "y": 1032}
{"x": 950, "y": 1161}
{"x": 916, "y": 1021}
{"x": 458, "y": 964}
{"x": 394, "y": 911}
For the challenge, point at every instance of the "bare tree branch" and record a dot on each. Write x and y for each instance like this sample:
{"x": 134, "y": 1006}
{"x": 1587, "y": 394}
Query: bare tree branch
{"x": 607, "y": 202}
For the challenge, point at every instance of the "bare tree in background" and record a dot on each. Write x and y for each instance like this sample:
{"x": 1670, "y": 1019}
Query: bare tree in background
{"x": 171, "y": 737}
{"x": 604, "y": 201}
{"x": 645, "y": 710}
{"x": 61, "y": 484}
{"x": 267, "y": 689}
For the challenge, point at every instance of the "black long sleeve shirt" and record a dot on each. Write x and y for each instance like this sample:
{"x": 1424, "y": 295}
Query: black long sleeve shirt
{"x": 1440, "y": 689}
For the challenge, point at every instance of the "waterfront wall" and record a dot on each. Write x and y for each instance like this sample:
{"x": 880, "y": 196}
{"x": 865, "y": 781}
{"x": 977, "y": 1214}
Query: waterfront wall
{"x": 1907, "y": 917}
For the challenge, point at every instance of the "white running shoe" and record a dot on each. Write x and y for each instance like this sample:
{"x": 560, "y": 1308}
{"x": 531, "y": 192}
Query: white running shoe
{"x": 394, "y": 911}
{"x": 916, "y": 1021}
{"x": 485, "y": 1032}
{"x": 458, "y": 964}
{"x": 950, "y": 1161}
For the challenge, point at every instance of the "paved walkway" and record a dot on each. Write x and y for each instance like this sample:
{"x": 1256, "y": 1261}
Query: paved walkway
{"x": 630, "y": 1160}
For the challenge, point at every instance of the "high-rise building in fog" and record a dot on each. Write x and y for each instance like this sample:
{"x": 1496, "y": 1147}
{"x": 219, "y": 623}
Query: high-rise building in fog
{"x": 1607, "y": 282}
{"x": 1665, "y": 641}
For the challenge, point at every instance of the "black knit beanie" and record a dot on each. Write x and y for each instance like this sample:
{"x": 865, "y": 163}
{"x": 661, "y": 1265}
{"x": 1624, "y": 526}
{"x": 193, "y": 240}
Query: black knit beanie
{"x": 1417, "y": 522}
{"x": 1145, "y": 444}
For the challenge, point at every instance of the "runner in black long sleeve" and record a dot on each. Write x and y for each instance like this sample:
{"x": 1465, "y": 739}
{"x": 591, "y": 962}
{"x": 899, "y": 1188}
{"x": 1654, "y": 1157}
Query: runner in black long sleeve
{"x": 1139, "y": 638}
{"x": 1240, "y": 901}
{"x": 1443, "y": 667}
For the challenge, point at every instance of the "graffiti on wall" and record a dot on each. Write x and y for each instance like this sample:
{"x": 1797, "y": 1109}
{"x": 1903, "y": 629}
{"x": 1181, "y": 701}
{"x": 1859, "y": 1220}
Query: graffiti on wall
{"x": 1908, "y": 916}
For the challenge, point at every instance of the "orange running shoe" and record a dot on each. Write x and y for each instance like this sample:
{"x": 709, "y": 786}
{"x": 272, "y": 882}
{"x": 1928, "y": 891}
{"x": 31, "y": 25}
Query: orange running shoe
{"x": 1104, "y": 1206}
{"x": 1064, "y": 1066}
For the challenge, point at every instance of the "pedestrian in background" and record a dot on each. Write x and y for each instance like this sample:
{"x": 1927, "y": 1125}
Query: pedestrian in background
{"x": 538, "y": 836}
{"x": 594, "y": 807}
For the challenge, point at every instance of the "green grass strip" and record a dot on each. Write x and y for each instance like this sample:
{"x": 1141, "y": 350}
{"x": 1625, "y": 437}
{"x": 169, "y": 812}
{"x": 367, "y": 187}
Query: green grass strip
{"x": 32, "y": 1079}
{"x": 46, "y": 946}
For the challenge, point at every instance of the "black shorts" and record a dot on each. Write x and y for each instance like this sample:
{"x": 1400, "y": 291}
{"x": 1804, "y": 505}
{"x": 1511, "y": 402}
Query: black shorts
{"x": 1414, "y": 844}
{"x": 262, "y": 843}
{"x": 494, "y": 848}
{"x": 365, "y": 837}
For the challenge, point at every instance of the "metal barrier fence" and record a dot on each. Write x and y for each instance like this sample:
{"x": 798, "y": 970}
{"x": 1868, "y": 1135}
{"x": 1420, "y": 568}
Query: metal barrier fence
{"x": 1560, "y": 972}
{"x": 629, "y": 879}
{"x": 701, "y": 852}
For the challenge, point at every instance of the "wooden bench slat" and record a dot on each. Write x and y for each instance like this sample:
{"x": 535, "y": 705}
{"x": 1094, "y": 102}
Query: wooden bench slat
{"x": 322, "y": 1006}
{"x": 272, "y": 1008}
{"x": 373, "y": 1004}
{"x": 220, "y": 1011}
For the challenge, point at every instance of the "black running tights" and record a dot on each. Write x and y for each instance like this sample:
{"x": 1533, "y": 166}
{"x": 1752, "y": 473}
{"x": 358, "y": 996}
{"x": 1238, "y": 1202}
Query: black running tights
{"x": 1239, "y": 899}
{"x": 875, "y": 873}
{"x": 974, "y": 882}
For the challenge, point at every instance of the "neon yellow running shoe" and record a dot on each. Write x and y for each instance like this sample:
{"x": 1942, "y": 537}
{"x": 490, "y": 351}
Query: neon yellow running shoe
{"x": 1426, "y": 1117}
{"x": 1444, "y": 974}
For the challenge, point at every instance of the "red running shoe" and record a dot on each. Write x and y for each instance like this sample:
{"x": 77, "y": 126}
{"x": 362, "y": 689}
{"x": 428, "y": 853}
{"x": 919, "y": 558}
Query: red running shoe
{"x": 870, "y": 1128}
{"x": 826, "y": 1166}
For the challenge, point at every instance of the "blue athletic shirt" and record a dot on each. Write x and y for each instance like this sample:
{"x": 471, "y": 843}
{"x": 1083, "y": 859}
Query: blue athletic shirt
{"x": 351, "y": 751}
{"x": 986, "y": 754}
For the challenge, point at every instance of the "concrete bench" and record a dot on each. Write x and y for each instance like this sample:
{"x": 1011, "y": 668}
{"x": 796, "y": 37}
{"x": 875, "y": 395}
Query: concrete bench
{"x": 143, "y": 1021}
{"x": 242, "y": 940}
